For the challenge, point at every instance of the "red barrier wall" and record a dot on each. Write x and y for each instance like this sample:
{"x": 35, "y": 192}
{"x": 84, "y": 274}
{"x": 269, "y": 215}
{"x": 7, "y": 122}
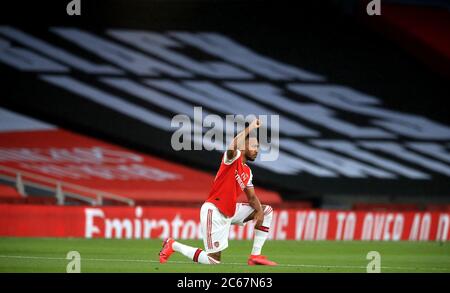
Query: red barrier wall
{"x": 183, "y": 223}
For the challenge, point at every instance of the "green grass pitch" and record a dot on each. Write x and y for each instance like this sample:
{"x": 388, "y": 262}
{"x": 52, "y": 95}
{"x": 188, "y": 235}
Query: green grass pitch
{"x": 102, "y": 255}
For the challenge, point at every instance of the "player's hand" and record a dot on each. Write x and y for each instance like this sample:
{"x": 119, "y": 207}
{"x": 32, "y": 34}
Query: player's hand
{"x": 259, "y": 218}
{"x": 255, "y": 124}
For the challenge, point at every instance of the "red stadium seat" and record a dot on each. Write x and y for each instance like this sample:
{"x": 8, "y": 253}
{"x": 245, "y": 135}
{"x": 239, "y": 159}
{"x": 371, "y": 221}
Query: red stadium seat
{"x": 7, "y": 191}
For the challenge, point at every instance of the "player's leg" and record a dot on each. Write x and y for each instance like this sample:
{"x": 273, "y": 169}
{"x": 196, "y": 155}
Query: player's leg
{"x": 215, "y": 230}
{"x": 262, "y": 231}
{"x": 210, "y": 223}
{"x": 193, "y": 253}
{"x": 196, "y": 254}
{"x": 245, "y": 213}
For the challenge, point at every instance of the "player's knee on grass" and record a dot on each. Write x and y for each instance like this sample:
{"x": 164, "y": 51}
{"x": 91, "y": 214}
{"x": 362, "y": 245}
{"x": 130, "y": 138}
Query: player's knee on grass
{"x": 215, "y": 255}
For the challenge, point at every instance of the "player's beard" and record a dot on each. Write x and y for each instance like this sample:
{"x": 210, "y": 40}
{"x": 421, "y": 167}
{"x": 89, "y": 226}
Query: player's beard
{"x": 250, "y": 158}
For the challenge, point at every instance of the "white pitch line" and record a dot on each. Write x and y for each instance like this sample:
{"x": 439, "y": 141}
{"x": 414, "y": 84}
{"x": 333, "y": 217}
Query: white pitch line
{"x": 227, "y": 263}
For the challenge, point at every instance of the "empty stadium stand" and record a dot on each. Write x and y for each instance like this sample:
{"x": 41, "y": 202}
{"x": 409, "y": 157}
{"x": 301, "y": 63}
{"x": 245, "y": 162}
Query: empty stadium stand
{"x": 48, "y": 162}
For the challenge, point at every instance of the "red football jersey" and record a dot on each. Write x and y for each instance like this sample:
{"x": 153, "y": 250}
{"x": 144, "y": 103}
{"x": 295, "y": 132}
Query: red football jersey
{"x": 231, "y": 179}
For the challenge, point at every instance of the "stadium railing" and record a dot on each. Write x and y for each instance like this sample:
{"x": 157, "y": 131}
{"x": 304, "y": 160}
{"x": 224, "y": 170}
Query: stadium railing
{"x": 61, "y": 190}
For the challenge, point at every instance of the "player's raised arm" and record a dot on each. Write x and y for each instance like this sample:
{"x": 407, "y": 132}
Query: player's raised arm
{"x": 239, "y": 140}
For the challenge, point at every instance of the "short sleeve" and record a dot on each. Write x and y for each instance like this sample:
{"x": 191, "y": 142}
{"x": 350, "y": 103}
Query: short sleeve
{"x": 250, "y": 180}
{"x": 227, "y": 161}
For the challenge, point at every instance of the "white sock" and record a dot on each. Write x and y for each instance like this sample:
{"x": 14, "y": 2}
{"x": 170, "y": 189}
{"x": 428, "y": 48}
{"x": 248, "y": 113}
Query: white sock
{"x": 262, "y": 233}
{"x": 194, "y": 253}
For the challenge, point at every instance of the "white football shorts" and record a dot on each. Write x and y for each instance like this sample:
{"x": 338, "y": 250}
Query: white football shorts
{"x": 216, "y": 226}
